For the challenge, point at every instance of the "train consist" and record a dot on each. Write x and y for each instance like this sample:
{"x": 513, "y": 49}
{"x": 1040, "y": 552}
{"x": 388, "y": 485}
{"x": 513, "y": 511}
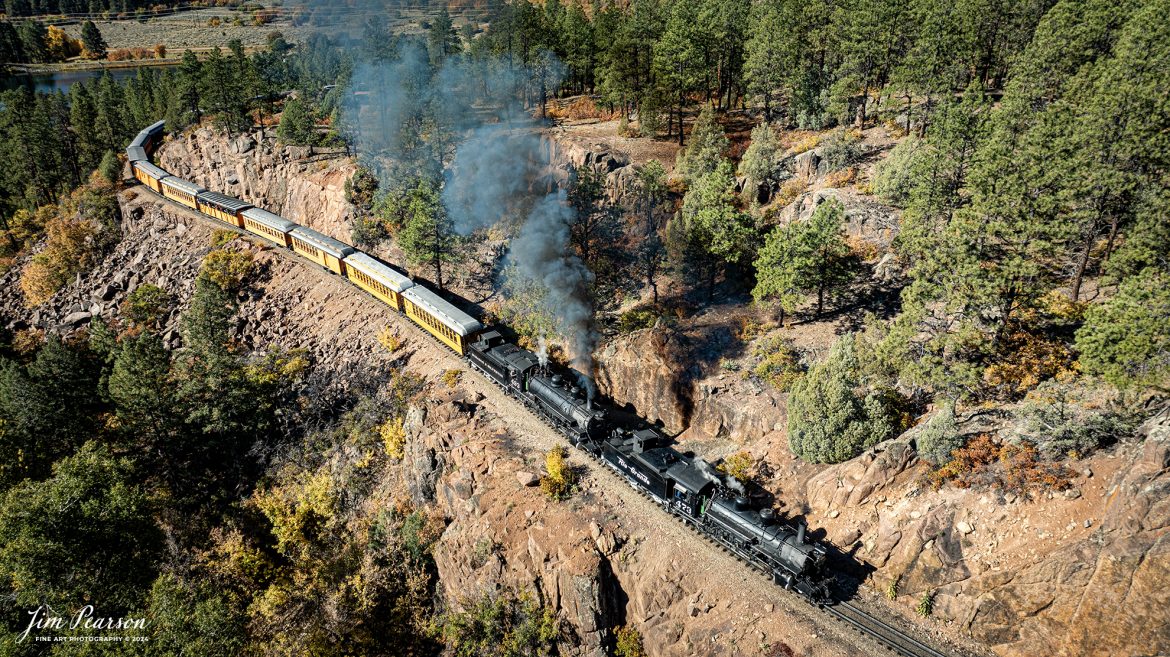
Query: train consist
{"x": 683, "y": 486}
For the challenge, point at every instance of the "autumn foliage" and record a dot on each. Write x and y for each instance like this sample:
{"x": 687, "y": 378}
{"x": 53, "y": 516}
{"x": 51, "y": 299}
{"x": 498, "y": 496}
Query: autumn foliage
{"x": 985, "y": 463}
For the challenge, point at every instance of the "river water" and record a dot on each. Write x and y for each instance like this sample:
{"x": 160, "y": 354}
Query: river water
{"x": 62, "y": 80}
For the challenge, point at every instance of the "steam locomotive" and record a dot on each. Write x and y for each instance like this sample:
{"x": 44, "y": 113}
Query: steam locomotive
{"x": 684, "y": 486}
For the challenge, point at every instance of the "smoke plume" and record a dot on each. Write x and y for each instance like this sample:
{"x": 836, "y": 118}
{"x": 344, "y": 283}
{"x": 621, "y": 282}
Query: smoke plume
{"x": 464, "y": 120}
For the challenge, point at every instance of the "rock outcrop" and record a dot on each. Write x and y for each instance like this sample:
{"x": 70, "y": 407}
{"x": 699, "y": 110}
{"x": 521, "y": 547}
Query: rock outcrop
{"x": 296, "y": 182}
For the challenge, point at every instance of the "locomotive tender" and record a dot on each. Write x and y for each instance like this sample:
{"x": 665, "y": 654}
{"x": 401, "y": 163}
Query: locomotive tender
{"x": 683, "y": 486}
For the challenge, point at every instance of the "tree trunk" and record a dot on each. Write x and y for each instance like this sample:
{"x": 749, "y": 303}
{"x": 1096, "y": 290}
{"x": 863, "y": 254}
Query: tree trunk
{"x": 1079, "y": 278}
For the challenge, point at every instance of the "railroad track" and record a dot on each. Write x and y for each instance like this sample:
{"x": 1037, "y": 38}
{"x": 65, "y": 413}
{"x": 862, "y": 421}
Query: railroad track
{"x": 874, "y": 628}
{"x": 881, "y": 631}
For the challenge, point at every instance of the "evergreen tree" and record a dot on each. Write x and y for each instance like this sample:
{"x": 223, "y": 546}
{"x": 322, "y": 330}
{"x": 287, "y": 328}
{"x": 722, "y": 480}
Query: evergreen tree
{"x": 34, "y": 42}
{"x": 651, "y": 250}
{"x": 111, "y": 168}
{"x": 833, "y": 415}
{"x": 761, "y": 161}
{"x": 11, "y": 49}
{"x": 442, "y": 41}
{"x": 765, "y": 61}
{"x": 92, "y": 41}
{"x": 428, "y": 236}
{"x": 679, "y": 58}
{"x": 716, "y": 233}
{"x": 1125, "y": 339}
{"x": 296, "y": 124}
{"x": 83, "y": 534}
{"x": 804, "y": 257}
{"x": 707, "y": 148}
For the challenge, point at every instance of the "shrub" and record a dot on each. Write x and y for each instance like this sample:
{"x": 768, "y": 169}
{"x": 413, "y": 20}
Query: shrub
{"x": 628, "y": 642}
{"x": 559, "y": 480}
{"x": 984, "y": 463}
{"x": 841, "y": 178}
{"x": 500, "y": 625}
{"x": 1024, "y": 360}
{"x": 80, "y": 228}
{"x": 636, "y": 319}
{"x": 227, "y": 269}
{"x": 222, "y": 237}
{"x": 833, "y": 416}
{"x": 926, "y": 604}
{"x": 1062, "y": 421}
{"x": 839, "y": 151}
{"x": 451, "y": 378}
{"x": 393, "y": 435}
{"x": 779, "y": 363}
{"x": 761, "y": 160}
{"x": 389, "y": 339}
{"x": 892, "y": 588}
{"x": 939, "y": 437}
{"x": 738, "y": 465}
{"x": 893, "y": 177}
{"x": 146, "y": 305}
{"x": 791, "y": 190}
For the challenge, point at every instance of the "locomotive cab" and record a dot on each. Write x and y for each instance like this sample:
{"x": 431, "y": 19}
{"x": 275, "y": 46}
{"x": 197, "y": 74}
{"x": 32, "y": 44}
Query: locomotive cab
{"x": 691, "y": 489}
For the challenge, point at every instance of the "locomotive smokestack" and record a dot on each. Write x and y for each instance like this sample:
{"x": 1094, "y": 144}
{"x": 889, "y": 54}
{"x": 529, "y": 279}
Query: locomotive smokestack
{"x": 799, "y": 533}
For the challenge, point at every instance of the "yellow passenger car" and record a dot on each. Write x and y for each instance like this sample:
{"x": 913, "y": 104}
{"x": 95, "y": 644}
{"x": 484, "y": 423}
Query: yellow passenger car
{"x": 220, "y": 206}
{"x": 450, "y": 325}
{"x": 377, "y": 278}
{"x": 271, "y": 227}
{"x": 183, "y": 191}
{"x": 149, "y": 175}
{"x": 321, "y": 249}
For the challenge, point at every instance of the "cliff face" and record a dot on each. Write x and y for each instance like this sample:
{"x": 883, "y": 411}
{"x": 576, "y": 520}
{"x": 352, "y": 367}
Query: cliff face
{"x": 604, "y": 558}
{"x": 293, "y": 181}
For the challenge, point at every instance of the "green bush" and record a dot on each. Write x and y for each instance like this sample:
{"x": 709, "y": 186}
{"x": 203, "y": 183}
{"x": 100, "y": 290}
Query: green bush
{"x": 779, "y": 363}
{"x": 1062, "y": 421}
{"x": 939, "y": 436}
{"x": 500, "y": 625}
{"x": 636, "y": 319}
{"x": 894, "y": 176}
{"x": 629, "y": 642}
{"x": 839, "y": 151}
{"x": 833, "y": 415}
{"x": 146, "y": 305}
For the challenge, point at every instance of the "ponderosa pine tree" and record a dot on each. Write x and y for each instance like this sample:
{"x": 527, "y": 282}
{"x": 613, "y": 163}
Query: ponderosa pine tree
{"x": 92, "y": 42}
{"x": 428, "y": 235}
{"x": 715, "y": 231}
{"x": 707, "y": 148}
{"x": 804, "y": 257}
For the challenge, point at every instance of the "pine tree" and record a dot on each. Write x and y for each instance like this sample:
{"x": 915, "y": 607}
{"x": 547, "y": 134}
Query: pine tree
{"x": 428, "y": 236}
{"x": 761, "y": 160}
{"x": 651, "y": 250}
{"x": 296, "y": 124}
{"x": 1125, "y": 339}
{"x": 679, "y": 57}
{"x": 806, "y": 256}
{"x": 765, "y": 61}
{"x": 716, "y": 232}
{"x": 442, "y": 41}
{"x": 92, "y": 41}
{"x": 34, "y": 41}
{"x": 707, "y": 148}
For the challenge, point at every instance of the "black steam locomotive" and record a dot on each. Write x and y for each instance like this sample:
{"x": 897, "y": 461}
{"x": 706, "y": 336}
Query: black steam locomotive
{"x": 686, "y": 487}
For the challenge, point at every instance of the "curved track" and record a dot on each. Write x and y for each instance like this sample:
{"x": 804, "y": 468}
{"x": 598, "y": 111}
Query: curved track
{"x": 884, "y": 633}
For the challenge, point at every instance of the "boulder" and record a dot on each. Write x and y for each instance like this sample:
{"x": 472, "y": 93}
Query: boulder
{"x": 527, "y": 478}
{"x": 76, "y": 318}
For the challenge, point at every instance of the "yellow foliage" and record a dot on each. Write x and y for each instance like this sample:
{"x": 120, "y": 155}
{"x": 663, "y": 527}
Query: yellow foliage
{"x": 389, "y": 339}
{"x": 738, "y": 465}
{"x": 298, "y": 511}
{"x": 790, "y": 190}
{"x": 278, "y": 366}
{"x": 1058, "y": 305}
{"x": 559, "y": 480}
{"x": 60, "y": 45}
{"x": 841, "y": 178}
{"x": 1025, "y": 360}
{"x": 803, "y": 141}
{"x": 864, "y": 249}
{"x": 233, "y": 557}
{"x": 221, "y": 237}
{"x": 228, "y": 269}
{"x": 779, "y": 363}
{"x": 629, "y": 642}
{"x": 451, "y": 377}
{"x": 393, "y": 435}
{"x": 26, "y": 341}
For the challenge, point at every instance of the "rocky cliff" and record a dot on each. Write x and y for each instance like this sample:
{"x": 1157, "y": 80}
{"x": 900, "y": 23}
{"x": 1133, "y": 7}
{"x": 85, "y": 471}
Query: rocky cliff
{"x": 296, "y": 182}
